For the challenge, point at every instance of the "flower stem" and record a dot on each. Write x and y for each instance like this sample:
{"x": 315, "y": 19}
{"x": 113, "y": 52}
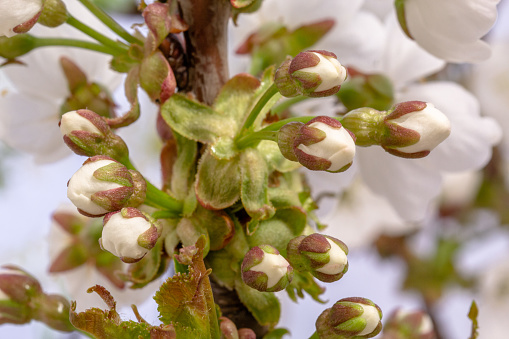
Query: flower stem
{"x": 44, "y": 42}
{"x": 157, "y": 198}
{"x": 269, "y": 93}
{"x": 95, "y": 35}
{"x": 165, "y": 214}
{"x": 253, "y": 138}
{"x": 110, "y": 22}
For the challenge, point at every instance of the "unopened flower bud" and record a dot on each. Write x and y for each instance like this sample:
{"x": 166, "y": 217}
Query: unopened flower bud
{"x": 265, "y": 270}
{"x": 366, "y": 90}
{"x": 18, "y": 16}
{"x": 11, "y": 48}
{"x": 310, "y": 73}
{"x": 415, "y": 128}
{"x": 322, "y": 144}
{"x": 87, "y": 133}
{"x": 350, "y": 318}
{"x": 409, "y": 325}
{"x": 321, "y": 255}
{"x": 54, "y": 13}
{"x": 104, "y": 185}
{"x": 129, "y": 234}
{"x": 409, "y": 130}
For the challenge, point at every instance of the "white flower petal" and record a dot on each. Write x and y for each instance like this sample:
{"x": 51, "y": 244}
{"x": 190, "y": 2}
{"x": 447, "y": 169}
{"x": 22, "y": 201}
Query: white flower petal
{"x": 14, "y": 13}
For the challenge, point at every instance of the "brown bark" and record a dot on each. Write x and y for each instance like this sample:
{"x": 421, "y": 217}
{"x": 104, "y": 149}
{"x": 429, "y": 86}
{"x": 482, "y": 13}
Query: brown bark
{"x": 206, "y": 46}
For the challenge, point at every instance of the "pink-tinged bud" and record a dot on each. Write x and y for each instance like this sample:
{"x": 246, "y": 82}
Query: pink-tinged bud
{"x": 18, "y": 16}
{"x": 350, "y": 318}
{"x": 246, "y": 333}
{"x": 104, "y": 185}
{"x": 321, "y": 255}
{"x": 409, "y": 325}
{"x": 228, "y": 328}
{"x": 414, "y": 128}
{"x": 322, "y": 144}
{"x": 265, "y": 270}
{"x": 311, "y": 73}
{"x": 87, "y": 133}
{"x": 129, "y": 234}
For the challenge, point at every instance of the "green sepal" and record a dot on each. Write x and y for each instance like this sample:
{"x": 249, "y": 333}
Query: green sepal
{"x": 218, "y": 182}
{"x": 264, "y": 306}
{"x": 254, "y": 192}
{"x": 153, "y": 264}
{"x": 116, "y": 173}
{"x": 186, "y": 300}
{"x": 184, "y": 168}
{"x": 70, "y": 257}
{"x": 304, "y": 282}
{"x": 285, "y": 225}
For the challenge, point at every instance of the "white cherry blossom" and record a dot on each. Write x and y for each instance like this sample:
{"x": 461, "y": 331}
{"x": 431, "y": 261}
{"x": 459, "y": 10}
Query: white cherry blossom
{"x": 16, "y": 13}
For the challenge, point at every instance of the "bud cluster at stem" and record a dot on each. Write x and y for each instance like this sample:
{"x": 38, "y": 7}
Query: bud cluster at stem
{"x": 409, "y": 325}
{"x": 87, "y": 133}
{"x": 129, "y": 234}
{"x": 350, "y": 318}
{"x": 311, "y": 73}
{"x": 409, "y": 130}
{"x": 104, "y": 185}
{"x": 321, "y": 255}
{"x": 322, "y": 144}
{"x": 265, "y": 270}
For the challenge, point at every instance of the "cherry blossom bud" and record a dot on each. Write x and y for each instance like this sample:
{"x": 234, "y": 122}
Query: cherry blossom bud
{"x": 322, "y": 255}
{"x": 17, "y": 289}
{"x": 348, "y": 318}
{"x": 409, "y": 325}
{"x": 18, "y": 16}
{"x": 322, "y": 144}
{"x": 87, "y": 133}
{"x": 415, "y": 128}
{"x": 311, "y": 73}
{"x": 104, "y": 185}
{"x": 11, "y": 48}
{"x": 129, "y": 234}
{"x": 265, "y": 270}
{"x": 54, "y": 13}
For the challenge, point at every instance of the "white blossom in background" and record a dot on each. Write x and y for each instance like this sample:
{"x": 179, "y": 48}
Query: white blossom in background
{"x": 30, "y": 113}
{"x": 356, "y": 34}
{"x": 452, "y": 30}
{"x": 16, "y": 14}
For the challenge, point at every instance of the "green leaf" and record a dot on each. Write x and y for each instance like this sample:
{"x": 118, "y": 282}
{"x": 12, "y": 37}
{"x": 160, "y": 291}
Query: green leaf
{"x": 186, "y": 300}
{"x": 196, "y": 121}
{"x": 218, "y": 182}
{"x": 304, "y": 282}
{"x": 184, "y": 168}
{"x": 189, "y": 231}
{"x": 224, "y": 148}
{"x": 278, "y": 333}
{"x": 255, "y": 175}
{"x": 264, "y": 306}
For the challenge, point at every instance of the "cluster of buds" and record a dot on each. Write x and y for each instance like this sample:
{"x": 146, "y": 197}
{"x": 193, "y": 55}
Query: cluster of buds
{"x": 229, "y": 330}
{"x": 265, "y": 270}
{"x": 87, "y": 133}
{"x": 409, "y": 325}
{"x": 310, "y": 73}
{"x": 350, "y": 318}
{"x": 129, "y": 234}
{"x": 409, "y": 130}
{"x": 22, "y": 299}
{"x": 322, "y": 144}
{"x": 104, "y": 185}
{"x": 321, "y": 255}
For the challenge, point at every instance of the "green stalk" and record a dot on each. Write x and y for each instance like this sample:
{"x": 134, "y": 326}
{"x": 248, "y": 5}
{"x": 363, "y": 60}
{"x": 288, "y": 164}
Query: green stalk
{"x": 253, "y": 138}
{"x": 110, "y": 22}
{"x": 287, "y": 104}
{"x": 44, "y": 42}
{"x": 269, "y": 93}
{"x": 95, "y": 35}
{"x": 165, "y": 214}
{"x": 157, "y": 198}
